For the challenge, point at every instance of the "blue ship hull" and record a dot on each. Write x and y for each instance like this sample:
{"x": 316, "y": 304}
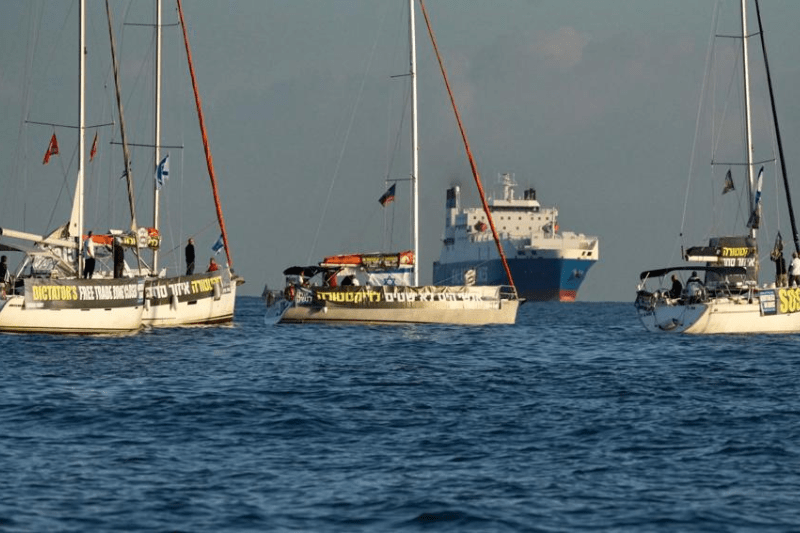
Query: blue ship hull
{"x": 537, "y": 279}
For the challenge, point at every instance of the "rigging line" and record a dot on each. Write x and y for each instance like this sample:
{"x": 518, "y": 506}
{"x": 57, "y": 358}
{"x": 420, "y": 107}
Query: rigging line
{"x": 699, "y": 112}
{"x": 795, "y": 234}
{"x": 346, "y": 137}
{"x": 20, "y": 162}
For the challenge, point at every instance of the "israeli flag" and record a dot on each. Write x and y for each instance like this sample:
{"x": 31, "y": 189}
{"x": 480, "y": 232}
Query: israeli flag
{"x": 162, "y": 172}
{"x": 219, "y": 245}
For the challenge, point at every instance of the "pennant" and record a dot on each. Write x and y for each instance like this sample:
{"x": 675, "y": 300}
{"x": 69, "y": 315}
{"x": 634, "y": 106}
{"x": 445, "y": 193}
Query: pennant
{"x": 52, "y": 149}
{"x": 219, "y": 245}
{"x": 388, "y": 196}
{"x": 728, "y": 183}
{"x": 162, "y": 172}
{"x": 93, "y": 151}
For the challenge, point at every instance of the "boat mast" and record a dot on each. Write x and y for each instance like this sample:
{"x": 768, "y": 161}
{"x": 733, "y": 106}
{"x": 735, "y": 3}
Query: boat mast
{"x": 748, "y": 130}
{"x": 414, "y": 140}
{"x": 156, "y": 192}
{"x": 206, "y": 147}
{"x": 125, "y": 150}
{"x": 472, "y": 164}
{"x": 81, "y": 132}
{"x": 795, "y": 234}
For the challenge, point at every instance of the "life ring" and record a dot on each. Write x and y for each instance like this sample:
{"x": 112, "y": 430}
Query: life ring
{"x": 288, "y": 293}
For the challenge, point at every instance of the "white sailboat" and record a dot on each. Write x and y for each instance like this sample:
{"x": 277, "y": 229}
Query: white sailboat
{"x": 378, "y": 288}
{"x": 730, "y": 299}
{"x": 47, "y": 293}
{"x": 198, "y": 298}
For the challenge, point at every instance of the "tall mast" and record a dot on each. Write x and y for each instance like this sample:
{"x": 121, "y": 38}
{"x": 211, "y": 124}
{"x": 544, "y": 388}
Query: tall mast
{"x": 206, "y": 147}
{"x": 476, "y": 176}
{"x": 414, "y": 141}
{"x": 126, "y": 153}
{"x": 748, "y": 130}
{"x": 81, "y": 132}
{"x": 156, "y": 192}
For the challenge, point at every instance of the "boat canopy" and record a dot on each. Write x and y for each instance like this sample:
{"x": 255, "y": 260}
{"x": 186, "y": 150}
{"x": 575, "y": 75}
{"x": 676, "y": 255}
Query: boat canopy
{"x": 719, "y": 270}
{"x": 375, "y": 261}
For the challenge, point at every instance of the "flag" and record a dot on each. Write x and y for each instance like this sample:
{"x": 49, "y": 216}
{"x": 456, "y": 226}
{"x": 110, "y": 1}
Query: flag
{"x": 93, "y": 151}
{"x": 219, "y": 245}
{"x": 162, "y": 172}
{"x": 388, "y": 196}
{"x": 52, "y": 149}
{"x": 755, "y": 216}
{"x": 728, "y": 183}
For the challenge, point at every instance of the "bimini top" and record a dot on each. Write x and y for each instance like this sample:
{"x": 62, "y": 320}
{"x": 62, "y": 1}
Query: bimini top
{"x": 721, "y": 270}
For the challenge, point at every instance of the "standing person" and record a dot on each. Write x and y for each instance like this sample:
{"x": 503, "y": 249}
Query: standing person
{"x": 780, "y": 269}
{"x": 4, "y": 276}
{"x": 677, "y": 288}
{"x": 190, "y": 257}
{"x": 795, "y": 266}
{"x": 212, "y": 265}
{"x": 119, "y": 257}
{"x": 88, "y": 257}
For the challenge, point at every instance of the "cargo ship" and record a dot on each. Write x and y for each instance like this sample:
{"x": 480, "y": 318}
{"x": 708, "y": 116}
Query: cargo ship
{"x": 547, "y": 264}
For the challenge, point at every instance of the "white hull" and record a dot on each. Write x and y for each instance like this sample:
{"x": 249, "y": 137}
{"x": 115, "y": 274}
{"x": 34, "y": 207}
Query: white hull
{"x": 200, "y": 299}
{"x": 15, "y": 317}
{"x": 470, "y": 306}
{"x": 734, "y": 315}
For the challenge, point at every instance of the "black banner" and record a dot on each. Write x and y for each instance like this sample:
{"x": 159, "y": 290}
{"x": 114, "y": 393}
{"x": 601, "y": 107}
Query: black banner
{"x": 187, "y": 288}
{"x": 46, "y": 293}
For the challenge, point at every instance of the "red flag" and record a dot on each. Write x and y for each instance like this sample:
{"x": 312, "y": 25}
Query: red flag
{"x": 52, "y": 149}
{"x": 93, "y": 152}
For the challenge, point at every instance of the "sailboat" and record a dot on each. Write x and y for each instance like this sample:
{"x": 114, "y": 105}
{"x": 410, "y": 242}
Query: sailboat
{"x": 383, "y": 288}
{"x": 729, "y": 299}
{"x": 47, "y": 293}
{"x": 197, "y": 298}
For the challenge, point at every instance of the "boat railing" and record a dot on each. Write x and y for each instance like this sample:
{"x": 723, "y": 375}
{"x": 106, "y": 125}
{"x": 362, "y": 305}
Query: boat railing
{"x": 508, "y": 292}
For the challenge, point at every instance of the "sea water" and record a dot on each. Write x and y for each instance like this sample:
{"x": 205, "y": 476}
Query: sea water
{"x": 574, "y": 419}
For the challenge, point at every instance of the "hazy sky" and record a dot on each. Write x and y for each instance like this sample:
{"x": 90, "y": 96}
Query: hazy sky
{"x": 593, "y": 103}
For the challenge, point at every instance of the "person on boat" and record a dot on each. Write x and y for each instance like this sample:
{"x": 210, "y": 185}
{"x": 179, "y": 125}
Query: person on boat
{"x": 677, "y": 287}
{"x": 780, "y": 268}
{"x": 189, "y": 257}
{"x": 212, "y": 265}
{"x": 88, "y": 257}
{"x": 694, "y": 287}
{"x": 795, "y": 269}
{"x": 119, "y": 257}
{"x": 4, "y": 276}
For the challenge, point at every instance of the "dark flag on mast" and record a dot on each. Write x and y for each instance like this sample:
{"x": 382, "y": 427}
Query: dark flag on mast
{"x": 93, "y": 151}
{"x": 728, "y": 183}
{"x": 388, "y": 196}
{"x": 52, "y": 149}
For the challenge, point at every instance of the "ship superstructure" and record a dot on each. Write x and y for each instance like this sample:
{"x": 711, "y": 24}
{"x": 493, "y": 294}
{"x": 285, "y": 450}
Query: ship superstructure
{"x": 547, "y": 264}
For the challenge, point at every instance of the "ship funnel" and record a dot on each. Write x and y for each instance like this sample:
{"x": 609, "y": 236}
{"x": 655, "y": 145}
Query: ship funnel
{"x": 453, "y": 197}
{"x": 452, "y": 205}
{"x": 530, "y": 194}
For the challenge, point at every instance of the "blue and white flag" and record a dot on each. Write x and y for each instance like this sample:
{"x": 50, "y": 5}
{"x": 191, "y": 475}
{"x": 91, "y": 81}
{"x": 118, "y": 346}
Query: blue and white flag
{"x": 162, "y": 172}
{"x": 219, "y": 245}
{"x": 755, "y": 216}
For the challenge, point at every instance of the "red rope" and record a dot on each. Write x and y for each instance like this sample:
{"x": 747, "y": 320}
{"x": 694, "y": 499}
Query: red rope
{"x": 466, "y": 147}
{"x": 206, "y": 147}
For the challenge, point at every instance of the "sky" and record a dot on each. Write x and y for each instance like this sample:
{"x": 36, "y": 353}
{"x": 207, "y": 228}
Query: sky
{"x": 594, "y": 104}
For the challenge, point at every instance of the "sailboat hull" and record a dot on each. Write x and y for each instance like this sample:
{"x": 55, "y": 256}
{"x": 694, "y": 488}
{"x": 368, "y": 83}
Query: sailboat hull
{"x": 199, "y": 299}
{"x": 762, "y": 313}
{"x": 401, "y": 305}
{"x": 74, "y": 307}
